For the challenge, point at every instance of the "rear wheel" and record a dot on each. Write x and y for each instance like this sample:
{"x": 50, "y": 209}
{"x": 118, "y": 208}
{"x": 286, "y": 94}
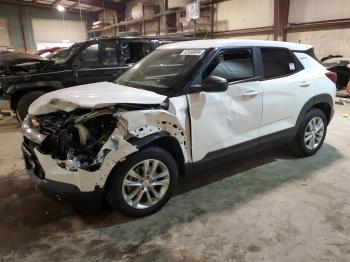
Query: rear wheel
{"x": 143, "y": 183}
{"x": 312, "y": 133}
{"x": 24, "y": 103}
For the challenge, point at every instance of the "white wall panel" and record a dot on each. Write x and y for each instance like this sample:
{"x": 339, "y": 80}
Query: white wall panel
{"x": 4, "y": 33}
{"x": 54, "y": 31}
{"x": 301, "y": 11}
{"x": 325, "y": 42}
{"x": 238, "y": 14}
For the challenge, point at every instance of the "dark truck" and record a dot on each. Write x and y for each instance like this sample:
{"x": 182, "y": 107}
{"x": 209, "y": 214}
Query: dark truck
{"x": 95, "y": 60}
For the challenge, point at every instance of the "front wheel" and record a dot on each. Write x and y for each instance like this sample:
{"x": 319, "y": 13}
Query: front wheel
{"x": 24, "y": 103}
{"x": 143, "y": 183}
{"x": 311, "y": 133}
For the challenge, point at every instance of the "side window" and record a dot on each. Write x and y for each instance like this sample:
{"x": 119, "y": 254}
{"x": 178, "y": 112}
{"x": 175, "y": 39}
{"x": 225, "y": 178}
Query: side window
{"x": 108, "y": 54}
{"x": 135, "y": 51}
{"x": 89, "y": 57}
{"x": 278, "y": 62}
{"x": 232, "y": 65}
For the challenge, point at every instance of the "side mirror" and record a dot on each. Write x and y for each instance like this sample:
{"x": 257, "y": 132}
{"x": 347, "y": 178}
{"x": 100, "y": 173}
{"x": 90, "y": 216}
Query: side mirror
{"x": 214, "y": 84}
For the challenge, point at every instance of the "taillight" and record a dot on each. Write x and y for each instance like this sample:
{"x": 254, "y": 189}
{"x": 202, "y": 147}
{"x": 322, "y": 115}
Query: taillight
{"x": 332, "y": 76}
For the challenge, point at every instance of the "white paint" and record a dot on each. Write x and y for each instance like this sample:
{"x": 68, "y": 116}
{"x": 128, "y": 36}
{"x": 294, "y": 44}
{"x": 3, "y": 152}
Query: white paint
{"x": 84, "y": 180}
{"x": 146, "y": 122}
{"x": 284, "y": 97}
{"x": 226, "y": 43}
{"x": 96, "y": 95}
{"x": 219, "y": 120}
{"x": 224, "y": 119}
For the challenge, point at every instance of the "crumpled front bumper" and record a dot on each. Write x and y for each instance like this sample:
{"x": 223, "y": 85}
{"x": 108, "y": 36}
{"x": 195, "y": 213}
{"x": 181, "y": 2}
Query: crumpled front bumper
{"x": 45, "y": 179}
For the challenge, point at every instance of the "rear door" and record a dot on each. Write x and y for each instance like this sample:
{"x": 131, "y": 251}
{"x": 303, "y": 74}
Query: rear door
{"x": 97, "y": 62}
{"x": 286, "y": 86}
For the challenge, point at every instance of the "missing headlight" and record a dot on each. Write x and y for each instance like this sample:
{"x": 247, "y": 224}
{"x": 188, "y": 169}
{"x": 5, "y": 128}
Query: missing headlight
{"x": 77, "y": 142}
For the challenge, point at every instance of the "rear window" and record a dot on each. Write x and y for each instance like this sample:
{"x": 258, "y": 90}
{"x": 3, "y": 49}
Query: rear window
{"x": 278, "y": 62}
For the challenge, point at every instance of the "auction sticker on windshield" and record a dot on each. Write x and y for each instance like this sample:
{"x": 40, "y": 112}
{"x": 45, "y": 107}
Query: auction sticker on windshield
{"x": 192, "y": 52}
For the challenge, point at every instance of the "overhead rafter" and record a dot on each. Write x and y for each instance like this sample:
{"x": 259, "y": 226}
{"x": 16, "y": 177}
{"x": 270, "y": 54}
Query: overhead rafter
{"x": 56, "y": 2}
{"x": 98, "y": 3}
{"x": 30, "y": 4}
{"x": 74, "y": 5}
{"x": 93, "y": 3}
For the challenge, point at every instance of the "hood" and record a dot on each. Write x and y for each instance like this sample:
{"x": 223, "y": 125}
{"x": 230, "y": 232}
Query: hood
{"x": 96, "y": 95}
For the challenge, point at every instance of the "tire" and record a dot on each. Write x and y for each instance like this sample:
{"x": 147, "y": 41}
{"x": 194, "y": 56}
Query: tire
{"x": 24, "y": 103}
{"x": 123, "y": 198}
{"x": 302, "y": 144}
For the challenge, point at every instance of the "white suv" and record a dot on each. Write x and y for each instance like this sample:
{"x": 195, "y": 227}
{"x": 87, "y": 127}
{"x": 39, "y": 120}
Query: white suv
{"x": 184, "y": 104}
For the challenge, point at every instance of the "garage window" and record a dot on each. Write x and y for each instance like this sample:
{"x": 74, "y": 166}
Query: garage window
{"x": 278, "y": 62}
{"x": 233, "y": 65}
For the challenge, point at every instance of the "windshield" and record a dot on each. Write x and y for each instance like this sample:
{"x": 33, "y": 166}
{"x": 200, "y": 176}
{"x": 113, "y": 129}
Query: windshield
{"x": 162, "y": 70}
{"x": 59, "y": 54}
{"x": 67, "y": 53}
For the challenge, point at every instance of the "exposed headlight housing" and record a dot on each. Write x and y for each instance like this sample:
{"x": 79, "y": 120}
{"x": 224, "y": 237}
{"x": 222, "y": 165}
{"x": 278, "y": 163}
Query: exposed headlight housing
{"x": 31, "y": 132}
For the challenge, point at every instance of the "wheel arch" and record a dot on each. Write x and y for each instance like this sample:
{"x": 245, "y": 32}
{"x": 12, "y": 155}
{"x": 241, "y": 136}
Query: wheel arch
{"x": 323, "y": 102}
{"x": 165, "y": 141}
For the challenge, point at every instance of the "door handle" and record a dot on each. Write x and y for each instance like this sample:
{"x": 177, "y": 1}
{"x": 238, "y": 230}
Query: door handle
{"x": 250, "y": 94}
{"x": 305, "y": 84}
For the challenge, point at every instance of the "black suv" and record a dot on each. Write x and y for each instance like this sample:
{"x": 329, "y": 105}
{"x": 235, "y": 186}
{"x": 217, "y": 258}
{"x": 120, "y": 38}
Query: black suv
{"x": 95, "y": 60}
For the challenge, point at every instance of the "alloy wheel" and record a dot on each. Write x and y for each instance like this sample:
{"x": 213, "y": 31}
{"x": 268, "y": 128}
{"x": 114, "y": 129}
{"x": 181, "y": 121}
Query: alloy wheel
{"x": 145, "y": 184}
{"x": 314, "y": 133}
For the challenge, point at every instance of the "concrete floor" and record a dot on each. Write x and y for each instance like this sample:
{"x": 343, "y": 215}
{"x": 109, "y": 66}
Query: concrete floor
{"x": 265, "y": 207}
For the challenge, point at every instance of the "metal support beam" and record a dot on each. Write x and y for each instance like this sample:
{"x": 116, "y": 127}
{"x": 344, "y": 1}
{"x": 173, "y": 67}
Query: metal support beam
{"x": 104, "y": 4}
{"x": 56, "y": 2}
{"x": 246, "y": 32}
{"x": 319, "y": 25}
{"x": 74, "y": 6}
{"x": 281, "y": 11}
{"x": 30, "y": 4}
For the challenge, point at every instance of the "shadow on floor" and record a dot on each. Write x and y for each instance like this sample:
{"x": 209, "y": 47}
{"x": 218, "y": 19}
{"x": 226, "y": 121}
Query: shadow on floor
{"x": 27, "y": 216}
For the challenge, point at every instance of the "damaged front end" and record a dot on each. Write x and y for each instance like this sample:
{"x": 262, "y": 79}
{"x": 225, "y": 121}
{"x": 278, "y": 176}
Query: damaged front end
{"x": 82, "y": 146}
{"x": 75, "y": 139}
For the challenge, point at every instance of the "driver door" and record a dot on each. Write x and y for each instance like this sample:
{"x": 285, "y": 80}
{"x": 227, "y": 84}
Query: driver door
{"x": 222, "y": 120}
{"x": 97, "y": 62}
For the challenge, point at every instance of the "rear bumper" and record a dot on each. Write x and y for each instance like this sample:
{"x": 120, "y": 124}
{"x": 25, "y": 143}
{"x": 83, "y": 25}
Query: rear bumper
{"x": 58, "y": 190}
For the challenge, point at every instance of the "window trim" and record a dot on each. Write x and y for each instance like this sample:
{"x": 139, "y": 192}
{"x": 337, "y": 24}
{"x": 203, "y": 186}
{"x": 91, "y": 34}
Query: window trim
{"x": 122, "y": 55}
{"x": 227, "y": 50}
{"x": 100, "y": 43}
{"x": 299, "y": 65}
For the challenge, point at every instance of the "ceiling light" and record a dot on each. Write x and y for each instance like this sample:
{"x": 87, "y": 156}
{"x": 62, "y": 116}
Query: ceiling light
{"x": 60, "y": 8}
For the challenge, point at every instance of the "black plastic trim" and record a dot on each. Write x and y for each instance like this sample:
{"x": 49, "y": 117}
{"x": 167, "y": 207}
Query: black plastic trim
{"x": 322, "y": 98}
{"x": 265, "y": 142}
{"x": 296, "y": 61}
